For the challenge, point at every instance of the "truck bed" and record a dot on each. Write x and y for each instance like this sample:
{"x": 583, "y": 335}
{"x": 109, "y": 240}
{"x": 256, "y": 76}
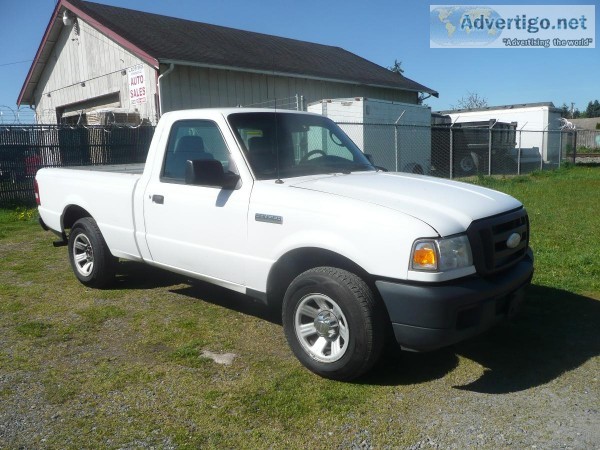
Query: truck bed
{"x": 105, "y": 192}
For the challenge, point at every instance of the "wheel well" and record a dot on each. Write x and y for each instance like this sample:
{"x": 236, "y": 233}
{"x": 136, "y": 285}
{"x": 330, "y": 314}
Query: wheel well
{"x": 72, "y": 214}
{"x": 293, "y": 263}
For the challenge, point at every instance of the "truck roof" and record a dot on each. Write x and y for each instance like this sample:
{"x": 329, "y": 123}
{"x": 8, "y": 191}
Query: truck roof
{"x": 193, "y": 113}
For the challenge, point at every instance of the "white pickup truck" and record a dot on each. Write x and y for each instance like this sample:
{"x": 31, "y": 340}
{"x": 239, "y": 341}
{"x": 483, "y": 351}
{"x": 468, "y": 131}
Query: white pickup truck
{"x": 283, "y": 206}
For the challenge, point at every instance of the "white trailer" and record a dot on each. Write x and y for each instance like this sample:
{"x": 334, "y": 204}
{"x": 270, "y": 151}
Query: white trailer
{"x": 539, "y": 122}
{"x": 397, "y": 135}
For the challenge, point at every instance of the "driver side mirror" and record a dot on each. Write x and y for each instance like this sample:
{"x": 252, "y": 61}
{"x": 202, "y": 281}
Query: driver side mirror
{"x": 209, "y": 173}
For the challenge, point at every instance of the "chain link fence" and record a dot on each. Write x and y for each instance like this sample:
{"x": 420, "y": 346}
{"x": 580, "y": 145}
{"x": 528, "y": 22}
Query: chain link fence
{"x": 293, "y": 103}
{"x": 24, "y": 149}
{"x": 445, "y": 151}
{"x": 465, "y": 150}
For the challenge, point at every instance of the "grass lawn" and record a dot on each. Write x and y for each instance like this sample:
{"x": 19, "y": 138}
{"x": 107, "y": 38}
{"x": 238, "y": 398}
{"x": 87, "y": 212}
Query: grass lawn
{"x": 122, "y": 368}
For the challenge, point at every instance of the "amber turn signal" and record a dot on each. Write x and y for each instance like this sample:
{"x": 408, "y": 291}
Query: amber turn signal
{"x": 424, "y": 256}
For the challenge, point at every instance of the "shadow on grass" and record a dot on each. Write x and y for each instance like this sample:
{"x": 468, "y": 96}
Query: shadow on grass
{"x": 588, "y": 164}
{"x": 134, "y": 275}
{"x": 557, "y": 331}
{"x": 231, "y": 300}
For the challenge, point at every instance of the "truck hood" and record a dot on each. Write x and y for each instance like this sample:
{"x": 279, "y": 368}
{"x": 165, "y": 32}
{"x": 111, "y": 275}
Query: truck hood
{"x": 447, "y": 206}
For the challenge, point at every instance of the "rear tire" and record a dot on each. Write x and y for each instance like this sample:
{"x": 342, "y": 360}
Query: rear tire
{"x": 467, "y": 164}
{"x": 90, "y": 258}
{"x": 333, "y": 323}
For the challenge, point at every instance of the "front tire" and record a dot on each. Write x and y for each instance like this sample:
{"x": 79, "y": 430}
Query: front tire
{"x": 90, "y": 258}
{"x": 333, "y": 323}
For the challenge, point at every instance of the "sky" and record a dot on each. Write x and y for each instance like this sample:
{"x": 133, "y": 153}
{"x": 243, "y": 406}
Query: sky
{"x": 381, "y": 31}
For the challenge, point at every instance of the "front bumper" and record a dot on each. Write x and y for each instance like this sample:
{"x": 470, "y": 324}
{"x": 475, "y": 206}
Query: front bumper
{"x": 426, "y": 317}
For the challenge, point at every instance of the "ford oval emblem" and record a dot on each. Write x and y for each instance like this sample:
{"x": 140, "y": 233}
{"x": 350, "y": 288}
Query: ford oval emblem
{"x": 513, "y": 240}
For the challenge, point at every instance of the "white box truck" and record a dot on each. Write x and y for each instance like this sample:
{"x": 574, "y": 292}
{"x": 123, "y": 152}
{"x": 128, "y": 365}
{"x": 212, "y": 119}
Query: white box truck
{"x": 397, "y": 135}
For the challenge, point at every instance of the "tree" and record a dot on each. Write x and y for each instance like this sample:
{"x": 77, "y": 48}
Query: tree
{"x": 422, "y": 97}
{"x": 565, "y": 111}
{"x": 397, "y": 67}
{"x": 593, "y": 109}
{"x": 470, "y": 101}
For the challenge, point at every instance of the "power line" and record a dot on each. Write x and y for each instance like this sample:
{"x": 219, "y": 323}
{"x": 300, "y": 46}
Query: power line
{"x": 89, "y": 79}
{"x": 106, "y": 41}
{"x": 16, "y": 62}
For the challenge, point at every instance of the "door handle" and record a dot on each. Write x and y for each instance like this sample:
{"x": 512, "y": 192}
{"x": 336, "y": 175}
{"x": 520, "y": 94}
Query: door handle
{"x": 159, "y": 199}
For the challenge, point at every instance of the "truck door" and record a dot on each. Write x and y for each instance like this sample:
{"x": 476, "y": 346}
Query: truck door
{"x": 196, "y": 229}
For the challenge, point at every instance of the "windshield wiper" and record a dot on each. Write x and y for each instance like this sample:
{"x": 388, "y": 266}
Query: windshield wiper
{"x": 326, "y": 169}
{"x": 358, "y": 167}
{"x": 347, "y": 168}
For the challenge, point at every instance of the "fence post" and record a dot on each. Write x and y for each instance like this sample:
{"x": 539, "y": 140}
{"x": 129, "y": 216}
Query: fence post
{"x": 560, "y": 141}
{"x": 520, "y": 146}
{"x": 396, "y": 146}
{"x": 574, "y": 145}
{"x": 396, "y": 139}
{"x": 519, "y": 153}
{"x": 490, "y": 151}
{"x": 451, "y": 153}
{"x": 544, "y": 146}
{"x": 452, "y": 148}
{"x": 490, "y": 146}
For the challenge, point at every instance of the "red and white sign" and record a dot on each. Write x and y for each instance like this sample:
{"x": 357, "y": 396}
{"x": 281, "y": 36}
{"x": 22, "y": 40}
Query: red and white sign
{"x": 137, "y": 85}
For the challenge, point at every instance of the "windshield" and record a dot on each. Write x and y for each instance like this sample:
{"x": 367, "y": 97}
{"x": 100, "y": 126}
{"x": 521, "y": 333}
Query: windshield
{"x": 296, "y": 144}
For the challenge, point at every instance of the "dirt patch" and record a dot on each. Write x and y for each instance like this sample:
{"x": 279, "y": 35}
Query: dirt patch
{"x": 225, "y": 358}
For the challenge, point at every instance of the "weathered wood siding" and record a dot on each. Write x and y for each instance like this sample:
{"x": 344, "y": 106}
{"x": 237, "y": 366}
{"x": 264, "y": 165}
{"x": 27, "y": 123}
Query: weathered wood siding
{"x": 92, "y": 58}
{"x": 198, "y": 87}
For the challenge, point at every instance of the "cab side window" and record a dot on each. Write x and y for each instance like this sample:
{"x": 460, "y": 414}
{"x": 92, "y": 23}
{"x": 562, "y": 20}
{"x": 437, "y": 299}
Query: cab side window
{"x": 193, "y": 140}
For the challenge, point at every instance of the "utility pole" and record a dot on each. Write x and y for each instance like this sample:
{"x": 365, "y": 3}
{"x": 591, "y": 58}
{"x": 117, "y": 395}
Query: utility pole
{"x": 572, "y": 109}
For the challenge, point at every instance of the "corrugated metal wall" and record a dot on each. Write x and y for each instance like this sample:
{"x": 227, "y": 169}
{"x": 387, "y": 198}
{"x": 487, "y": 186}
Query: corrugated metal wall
{"x": 198, "y": 87}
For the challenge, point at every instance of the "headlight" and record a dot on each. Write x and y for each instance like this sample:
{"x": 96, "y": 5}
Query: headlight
{"x": 440, "y": 255}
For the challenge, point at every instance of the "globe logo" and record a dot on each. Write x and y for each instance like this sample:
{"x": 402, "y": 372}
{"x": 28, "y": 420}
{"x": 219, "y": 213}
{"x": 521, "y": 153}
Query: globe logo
{"x": 463, "y": 26}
